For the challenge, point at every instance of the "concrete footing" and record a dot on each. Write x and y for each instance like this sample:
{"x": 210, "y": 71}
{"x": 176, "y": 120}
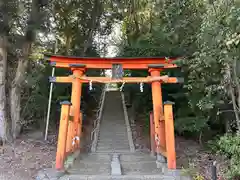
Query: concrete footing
{"x": 176, "y": 174}
{"x": 70, "y": 159}
{"x": 161, "y": 158}
{"x": 50, "y": 174}
{"x": 116, "y": 166}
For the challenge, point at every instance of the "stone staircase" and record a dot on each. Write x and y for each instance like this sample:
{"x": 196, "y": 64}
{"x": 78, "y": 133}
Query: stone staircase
{"x": 113, "y": 132}
{"x": 114, "y": 158}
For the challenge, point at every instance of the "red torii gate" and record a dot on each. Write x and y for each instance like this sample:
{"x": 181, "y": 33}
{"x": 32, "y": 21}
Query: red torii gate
{"x": 163, "y": 141}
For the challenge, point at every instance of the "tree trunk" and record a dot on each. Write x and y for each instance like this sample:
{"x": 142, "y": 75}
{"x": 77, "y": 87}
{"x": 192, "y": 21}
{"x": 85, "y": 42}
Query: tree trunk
{"x": 16, "y": 87}
{"x": 4, "y": 126}
{"x": 236, "y": 81}
{"x": 23, "y": 60}
{"x": 232, "y": 93}
{"x": 95, "y": 21}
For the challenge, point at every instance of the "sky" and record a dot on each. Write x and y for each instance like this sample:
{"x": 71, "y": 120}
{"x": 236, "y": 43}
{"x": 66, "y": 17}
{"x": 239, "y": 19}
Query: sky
{"x": 112, "y": 41}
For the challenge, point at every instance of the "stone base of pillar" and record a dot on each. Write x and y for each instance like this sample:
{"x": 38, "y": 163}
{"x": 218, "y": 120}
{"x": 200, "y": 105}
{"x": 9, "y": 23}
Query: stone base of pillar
{"x": 50, "y": 174}
{"x": 161, "y": 158}
{"x": 71, "y": 159}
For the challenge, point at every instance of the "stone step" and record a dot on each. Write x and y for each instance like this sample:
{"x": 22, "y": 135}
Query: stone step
{"x": 113, "y": 139}
{"x": 108, "y": 148}
{"x": 122, "y": 134}
{"x": 136, "y": 157}
{"x": 112, "y": 130}
{"x": 113, "y": 118}
{"x": 95, "y": 157}
{"x": 112, "y": 127}
{"x": 113, "y": 149}
{"x": 123, "y": 177}
{"x": 140, "y": 168}
{"x": 113, "y": 136}
{"x": 113, "y": 146}
{"x": 113, "y": 143}
{"x": 112, "y": 114}
{"x": 117, "y": 143}
{"x": 124, "y": 157}
{"x": 91, "y": 168}
{"x": 115, "y": 125}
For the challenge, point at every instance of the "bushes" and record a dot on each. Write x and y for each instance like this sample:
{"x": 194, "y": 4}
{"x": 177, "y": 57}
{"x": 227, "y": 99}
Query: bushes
{"x": 192, "y": 126}
{"x": 229, "y": 145}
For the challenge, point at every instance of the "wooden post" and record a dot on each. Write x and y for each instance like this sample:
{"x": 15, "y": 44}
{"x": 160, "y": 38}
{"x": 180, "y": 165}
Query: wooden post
{"x": 62, "y": 135}
{"x": 152, "y": 135}
{"x": 159, "y": 124}
{"x": 171, "y": 153}
{"x": 214, "y": 171}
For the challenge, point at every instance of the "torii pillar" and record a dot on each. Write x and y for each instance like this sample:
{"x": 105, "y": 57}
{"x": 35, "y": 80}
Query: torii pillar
{"x": 75, "y": 124}
{"x": 158, "y": 116}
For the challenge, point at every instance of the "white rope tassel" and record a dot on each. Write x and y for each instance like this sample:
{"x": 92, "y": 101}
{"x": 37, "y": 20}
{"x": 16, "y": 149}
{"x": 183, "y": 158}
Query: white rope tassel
{"x": 157, "y": 139}
{"x": 122, "y": 86}
{"x": 76, "y": 138}
{"x": 141, "y": 87}
{"x": 90, "y": 85}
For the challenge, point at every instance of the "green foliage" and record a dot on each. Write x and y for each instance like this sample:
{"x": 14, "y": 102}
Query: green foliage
{"x": 8, "y": 9}
{"x": 193, "y": 125}
{"x": 229, "y": 145}
{"x": 172, "y": 32}
{"x": 206, "y": 36}
{"x": 73, "y": 25}
{"x": 192, "y": 171}
{"x": 36, "y": 92}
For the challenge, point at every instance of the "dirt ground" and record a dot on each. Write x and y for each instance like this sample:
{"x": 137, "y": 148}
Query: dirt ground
{"x": 22, "y": 160}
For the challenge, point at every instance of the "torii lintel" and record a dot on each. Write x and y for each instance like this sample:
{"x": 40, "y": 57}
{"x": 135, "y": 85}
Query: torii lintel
{"x": 107, "y": 63}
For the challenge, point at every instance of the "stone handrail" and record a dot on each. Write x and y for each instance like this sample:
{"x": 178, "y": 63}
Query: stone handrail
{"x": 129, "y": 131}
{"x": 95, "y": 132}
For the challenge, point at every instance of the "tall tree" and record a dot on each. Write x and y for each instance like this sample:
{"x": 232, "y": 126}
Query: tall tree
{"x": 7, "y": 12}
{"x": 22, "y": 64}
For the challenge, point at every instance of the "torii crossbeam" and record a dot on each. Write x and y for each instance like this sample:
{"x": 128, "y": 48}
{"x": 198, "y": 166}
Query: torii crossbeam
{"x": 107, "y": 63}
{"x": 71, "y": 132}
